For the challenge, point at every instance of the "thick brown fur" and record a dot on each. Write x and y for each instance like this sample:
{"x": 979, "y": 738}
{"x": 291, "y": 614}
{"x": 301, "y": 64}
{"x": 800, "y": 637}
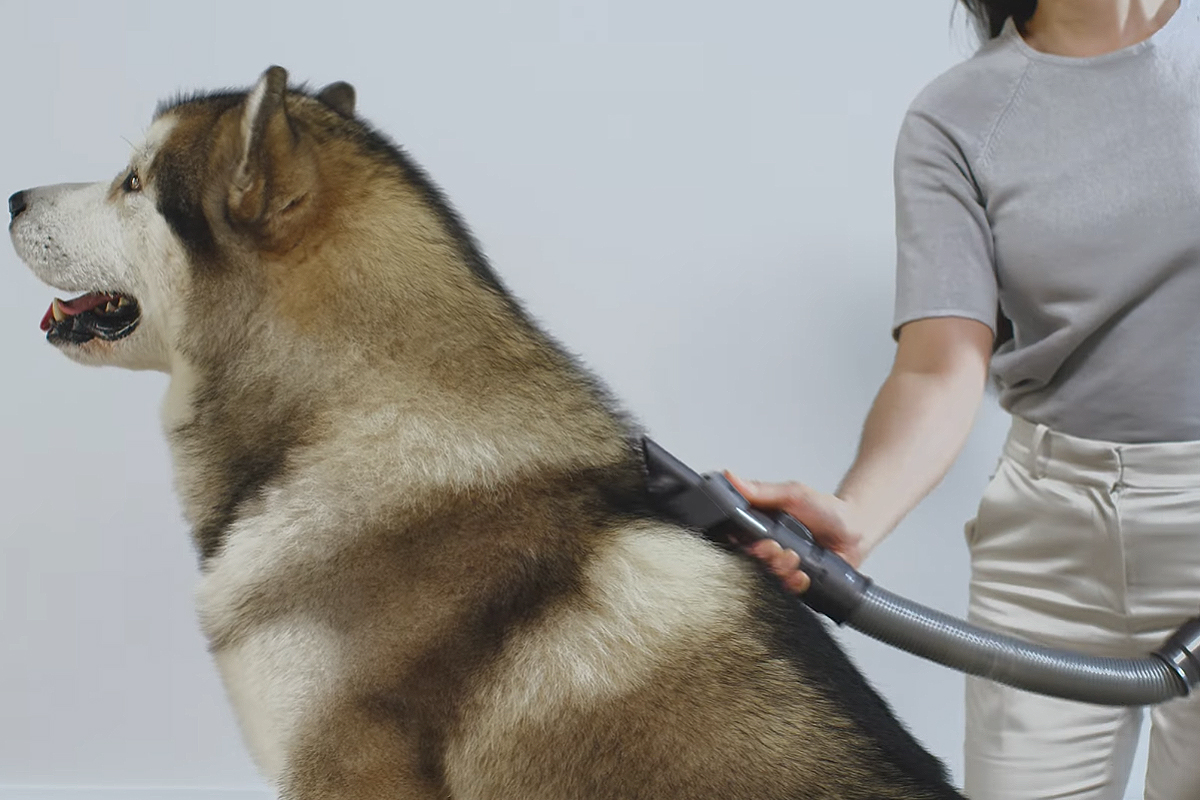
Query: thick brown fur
{"x": 429, "y": 569}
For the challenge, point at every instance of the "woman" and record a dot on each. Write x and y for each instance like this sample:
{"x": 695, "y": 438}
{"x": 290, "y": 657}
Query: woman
{"x": 1048, "y": 228}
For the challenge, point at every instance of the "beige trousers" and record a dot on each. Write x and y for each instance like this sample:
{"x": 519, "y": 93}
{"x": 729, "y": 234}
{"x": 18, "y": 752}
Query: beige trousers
{"x": 1095, "y": 547}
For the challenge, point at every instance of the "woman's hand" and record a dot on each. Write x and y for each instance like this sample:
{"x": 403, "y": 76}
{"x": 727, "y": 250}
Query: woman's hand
{"x": 828, "y": 517}
{"x": 916, "y": 426}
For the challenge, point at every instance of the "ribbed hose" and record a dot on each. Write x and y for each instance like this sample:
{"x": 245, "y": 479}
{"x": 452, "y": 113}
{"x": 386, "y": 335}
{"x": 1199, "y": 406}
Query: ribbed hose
{"x": 959, "y": 645}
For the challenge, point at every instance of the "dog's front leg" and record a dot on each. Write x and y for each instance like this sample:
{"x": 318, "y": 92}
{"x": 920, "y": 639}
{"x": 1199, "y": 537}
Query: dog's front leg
{"x": 362, "y": 756}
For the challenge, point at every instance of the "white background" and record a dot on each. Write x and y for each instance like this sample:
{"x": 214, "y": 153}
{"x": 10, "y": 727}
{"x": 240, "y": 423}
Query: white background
{"x": 695, "y": 196}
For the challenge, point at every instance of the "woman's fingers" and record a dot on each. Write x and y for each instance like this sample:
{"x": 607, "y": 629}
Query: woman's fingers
{"x": 789, "y": 497}
{"x": 785, "y": 564}
{"x": 797, "y": 582}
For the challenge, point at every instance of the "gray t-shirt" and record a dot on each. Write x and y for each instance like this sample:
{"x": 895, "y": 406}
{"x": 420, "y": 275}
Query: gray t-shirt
{"x": 1064, "y": 193}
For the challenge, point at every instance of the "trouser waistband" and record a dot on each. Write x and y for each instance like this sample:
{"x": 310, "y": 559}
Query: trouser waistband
{"x": 1048, "y": 453}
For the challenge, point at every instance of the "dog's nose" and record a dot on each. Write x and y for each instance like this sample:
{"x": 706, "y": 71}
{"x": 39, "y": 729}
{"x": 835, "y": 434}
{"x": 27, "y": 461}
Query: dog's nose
{"x": 16, "y": 204}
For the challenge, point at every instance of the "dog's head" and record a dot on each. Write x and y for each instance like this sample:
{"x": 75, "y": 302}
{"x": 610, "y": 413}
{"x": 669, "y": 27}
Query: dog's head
{"x": 232, "y": 197}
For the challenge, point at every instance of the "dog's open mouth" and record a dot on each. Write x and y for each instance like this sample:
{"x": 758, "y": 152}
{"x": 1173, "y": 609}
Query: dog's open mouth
{"x": 99, "y": 315}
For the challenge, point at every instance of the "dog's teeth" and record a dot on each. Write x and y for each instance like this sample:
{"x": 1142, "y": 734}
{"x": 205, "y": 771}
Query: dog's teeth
{"x": 57, "y": 311}
{"x": 122, "y": 302}
{"x": 110, "y": 308}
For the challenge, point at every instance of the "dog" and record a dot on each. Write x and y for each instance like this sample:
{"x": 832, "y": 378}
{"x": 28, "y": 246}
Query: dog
{"x": 429, "y": 565}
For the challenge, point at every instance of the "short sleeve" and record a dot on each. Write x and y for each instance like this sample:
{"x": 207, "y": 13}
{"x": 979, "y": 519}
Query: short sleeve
{"x": 945, "y": 262}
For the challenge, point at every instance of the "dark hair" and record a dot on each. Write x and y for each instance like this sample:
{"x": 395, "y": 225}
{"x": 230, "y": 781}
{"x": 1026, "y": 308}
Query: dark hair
{"x": 990, "y": 15}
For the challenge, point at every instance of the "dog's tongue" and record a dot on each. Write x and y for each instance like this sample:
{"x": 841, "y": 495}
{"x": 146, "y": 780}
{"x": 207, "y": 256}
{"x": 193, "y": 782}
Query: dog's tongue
{"x": 71, "y": 308}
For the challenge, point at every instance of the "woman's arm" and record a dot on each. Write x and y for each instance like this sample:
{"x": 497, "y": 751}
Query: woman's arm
{"x": 916, "y": 428}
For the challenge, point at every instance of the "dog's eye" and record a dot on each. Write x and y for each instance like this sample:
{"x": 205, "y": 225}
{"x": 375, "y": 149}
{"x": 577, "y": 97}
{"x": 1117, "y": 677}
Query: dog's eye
{"x": 133, "y": 182}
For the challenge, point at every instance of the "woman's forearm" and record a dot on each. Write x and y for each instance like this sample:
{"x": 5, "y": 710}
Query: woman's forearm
{"x": 918, "y": 423}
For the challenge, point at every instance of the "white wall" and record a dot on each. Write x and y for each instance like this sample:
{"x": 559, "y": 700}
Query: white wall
{"x": 694, "y": 195}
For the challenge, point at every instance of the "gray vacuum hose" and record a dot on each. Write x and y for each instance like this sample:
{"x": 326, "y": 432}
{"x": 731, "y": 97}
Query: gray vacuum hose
{"x": 709, "y": 503}
{"x": 1166, "y": 673}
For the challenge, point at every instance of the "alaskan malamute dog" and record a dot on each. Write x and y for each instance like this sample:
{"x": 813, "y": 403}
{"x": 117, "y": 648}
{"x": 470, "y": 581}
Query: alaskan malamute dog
{"x": 429, "y": 567}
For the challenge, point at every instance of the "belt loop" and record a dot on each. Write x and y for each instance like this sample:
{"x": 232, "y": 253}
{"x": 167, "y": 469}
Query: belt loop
{"x": 1037, "y": 458}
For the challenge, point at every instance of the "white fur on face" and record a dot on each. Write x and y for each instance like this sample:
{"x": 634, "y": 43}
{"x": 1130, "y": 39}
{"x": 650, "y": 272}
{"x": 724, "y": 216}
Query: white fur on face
{"x": 89, "y": 238}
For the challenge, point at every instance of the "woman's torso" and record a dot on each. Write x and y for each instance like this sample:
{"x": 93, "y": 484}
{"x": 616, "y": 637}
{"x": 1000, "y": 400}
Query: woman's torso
{"x": 1088, "y": 172}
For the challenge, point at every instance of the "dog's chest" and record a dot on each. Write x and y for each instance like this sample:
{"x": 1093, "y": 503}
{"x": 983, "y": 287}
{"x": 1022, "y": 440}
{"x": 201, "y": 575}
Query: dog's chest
{"x": 278, "y": 678}
{"x": 278, "y": 663}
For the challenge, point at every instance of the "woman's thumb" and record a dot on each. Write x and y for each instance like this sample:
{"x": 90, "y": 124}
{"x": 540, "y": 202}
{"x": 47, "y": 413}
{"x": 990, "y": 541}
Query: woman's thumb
{"x": 768, "y": 495}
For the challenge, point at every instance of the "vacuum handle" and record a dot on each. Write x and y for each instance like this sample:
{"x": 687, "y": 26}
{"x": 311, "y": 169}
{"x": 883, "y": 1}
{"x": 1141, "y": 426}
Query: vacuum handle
{"x": 836, "y": 588}
{"x": 711, "y": 504}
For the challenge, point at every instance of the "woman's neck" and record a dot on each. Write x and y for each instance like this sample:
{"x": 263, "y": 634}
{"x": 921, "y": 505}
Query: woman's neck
{"x": 1093, "y": 27}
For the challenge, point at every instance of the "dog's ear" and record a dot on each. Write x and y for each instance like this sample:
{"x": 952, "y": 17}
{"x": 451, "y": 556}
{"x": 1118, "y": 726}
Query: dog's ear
{"x": 340, "y": 97}
{"x": 274, "y": 173}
